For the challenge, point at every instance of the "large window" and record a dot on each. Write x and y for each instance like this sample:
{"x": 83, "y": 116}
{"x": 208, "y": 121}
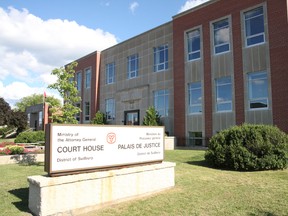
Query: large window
{"x": 221, "y": 36}
{"x": 223, "y": 94}
{"x": 110, "y": 109}
{"x": 132, "y": 66}
{"x": 87, "y": 111}
{"x": 195, "y": 97}
{"x": 258, "y": 90}
{"x": 88, "y": 78}
{"x": 254, "y": 26}
{"x": 193, "y": 42}
{"x": 161, "y": 102}
{"x": 110, "y": 73}
{"x": 161, "y": 58}
{"x": 78, "y": 81}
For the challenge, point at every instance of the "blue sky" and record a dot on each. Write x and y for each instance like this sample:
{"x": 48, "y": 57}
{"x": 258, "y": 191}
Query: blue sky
{"x": 40, "y": 35}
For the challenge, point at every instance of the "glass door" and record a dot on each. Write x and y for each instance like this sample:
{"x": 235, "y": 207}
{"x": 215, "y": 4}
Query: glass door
{"x": 131, "y": 117}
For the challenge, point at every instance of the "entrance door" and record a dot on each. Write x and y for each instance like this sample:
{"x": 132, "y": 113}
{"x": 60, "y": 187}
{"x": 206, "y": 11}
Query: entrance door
{"x": 131, "y": 117}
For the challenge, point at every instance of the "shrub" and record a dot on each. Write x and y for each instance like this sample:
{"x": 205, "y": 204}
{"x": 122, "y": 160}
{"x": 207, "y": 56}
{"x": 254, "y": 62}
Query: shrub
{"x": 30, "y": 137}
{"x": 152, "y": 117}
{"x": 15, "y": 149}
{"x": 99, "y": 119}
{"x": 249, "y": 147}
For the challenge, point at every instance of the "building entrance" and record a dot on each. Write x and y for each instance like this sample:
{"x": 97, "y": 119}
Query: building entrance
{"x": 131, "y": 117}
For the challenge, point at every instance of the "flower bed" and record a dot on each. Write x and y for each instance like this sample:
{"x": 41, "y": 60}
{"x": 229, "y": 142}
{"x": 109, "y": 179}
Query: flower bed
{"x": 10, "y": 148}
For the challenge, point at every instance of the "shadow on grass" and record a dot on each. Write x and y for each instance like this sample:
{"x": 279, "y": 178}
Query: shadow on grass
{"x": 202, "y": 163}
{"x": 263, "y": 213}
{"x": 26, "y": 159}
{"x": 23, "y": 195}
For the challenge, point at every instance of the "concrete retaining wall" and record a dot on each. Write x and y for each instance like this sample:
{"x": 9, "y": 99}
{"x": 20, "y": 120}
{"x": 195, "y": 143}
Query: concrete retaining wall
{"x": 75, "y": 194}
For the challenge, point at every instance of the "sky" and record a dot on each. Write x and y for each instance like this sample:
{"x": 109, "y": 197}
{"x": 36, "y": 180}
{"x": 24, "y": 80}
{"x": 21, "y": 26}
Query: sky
{"x": 37, "y": 36}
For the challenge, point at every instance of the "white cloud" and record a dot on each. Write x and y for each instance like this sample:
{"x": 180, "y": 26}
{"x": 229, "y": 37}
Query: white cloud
{"x": 190, "y": 4}
{"x": 30, "y": 48}
{"x": 133, "y": 6}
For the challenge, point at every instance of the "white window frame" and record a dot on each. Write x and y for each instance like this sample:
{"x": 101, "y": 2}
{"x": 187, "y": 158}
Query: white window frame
{"x": 164, "y": 93}
{"x": 132, "y": 72}
{"x": 218, "y": 85}
{"x": 110, "y": 73}
{"x": 110, "y": 107}
{"x": 190, "y": 41}
{"x": 214, "y": 36}
{"x": 158, "y": 65}
{"x": 190, "y": 93}
{"x": 88, "y": 78}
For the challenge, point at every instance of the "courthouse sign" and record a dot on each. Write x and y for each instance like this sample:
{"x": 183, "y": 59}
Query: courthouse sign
{"x": 78, "y": 148}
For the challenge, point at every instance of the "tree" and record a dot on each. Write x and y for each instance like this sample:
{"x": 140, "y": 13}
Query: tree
{"x": 5, "y": 111}
{"x": 19, "y": 120}
{"x": 35, "y": 99}
{"x": 67, "y": 89}
{"x": 152, "y": 118}
{"x": 99, "y": 118}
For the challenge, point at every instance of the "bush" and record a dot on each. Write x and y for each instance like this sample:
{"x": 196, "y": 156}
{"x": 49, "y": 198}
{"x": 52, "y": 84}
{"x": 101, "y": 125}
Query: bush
{"x": 15, "y": 149}
{"x": 152, "y": 117}
{"x": 30, "y": 137}
{"x": 249, "y": 147}
{"x": 99, "y": 119}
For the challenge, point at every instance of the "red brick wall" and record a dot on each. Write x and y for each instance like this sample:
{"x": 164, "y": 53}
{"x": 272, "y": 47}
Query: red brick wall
{"x": 278, "y": 41}
{"x": 91, "y": 60}
{"x": 203, "y": 16}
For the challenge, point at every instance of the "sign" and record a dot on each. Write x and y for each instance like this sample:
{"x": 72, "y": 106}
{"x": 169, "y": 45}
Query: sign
{"x": 77, "y": 148}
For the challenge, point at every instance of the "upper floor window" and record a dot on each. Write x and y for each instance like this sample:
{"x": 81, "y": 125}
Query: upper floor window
{"x": 110, "y": 73}
{"x": 78, "y": 81}
{"x": 258, "y": 90}
{"x": 161, "y": 102}
{"x": 193, "y": 42}
{"x": 161, "y": 58}
{"x": 110, "y": 109}
{"x": 88, "y": 78}
{"x": 221, "y": 36}
{"x": 195, "y": 97}
{"x": 87, "y": 111}
{"x": 254, "y": 26}
{"x": 132, "y": 66}
{"x": 223, "y": 94}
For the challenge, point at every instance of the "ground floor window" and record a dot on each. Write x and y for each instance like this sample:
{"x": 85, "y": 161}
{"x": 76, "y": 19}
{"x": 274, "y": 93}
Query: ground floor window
{"x": 110, "y": 109}
{"x": 258, "y": 90}
{"x": 161, "y": 102}
{"x": 195, "y": 138}
{"x": 87, "y": 111}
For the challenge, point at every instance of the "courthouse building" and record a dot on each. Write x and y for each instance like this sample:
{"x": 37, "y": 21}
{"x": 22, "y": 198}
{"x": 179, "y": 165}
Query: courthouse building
{"x": 220, "y": 64}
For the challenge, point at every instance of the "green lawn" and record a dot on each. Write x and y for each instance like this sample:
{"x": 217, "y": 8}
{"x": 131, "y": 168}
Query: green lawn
{"x": 199, "y": 190}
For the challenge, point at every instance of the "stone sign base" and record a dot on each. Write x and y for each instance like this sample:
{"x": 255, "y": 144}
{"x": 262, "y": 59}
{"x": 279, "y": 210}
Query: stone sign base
{"x": 76, "y": 194}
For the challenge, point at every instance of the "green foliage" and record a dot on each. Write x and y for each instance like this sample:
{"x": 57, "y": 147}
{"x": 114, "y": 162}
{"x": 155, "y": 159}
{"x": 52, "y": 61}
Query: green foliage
{"x": 35, "y": 99}
{"x": 15, "y": 149}
{"x": 249, "y": 147}
{"x": 67, "y": 89}
{"x": 99, "y": 118}
{"x": 5, "y": 112}
{"x": 152, "y": 118}
{"x": 30, "y": 137}
{"x": 19, "y": 120}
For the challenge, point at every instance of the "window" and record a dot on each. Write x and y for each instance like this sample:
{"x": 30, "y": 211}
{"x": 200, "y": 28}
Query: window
{"x": 193, "y": 41}
{"x": 40, "y": 119}
{"x": 132, "y": 66}
{"x": 195, "y": 97}
{"x": 110, "y": 73}
{"x": 258, "y": 90}
{"x": 87, "y": 111}
{"x": 161, "y": 58}
{"x": 254, "y": 26}
{"x": 221, "y": 36}
{"x": 77, "y": 116}
{"x": 88, "y": 78}
{"x": 78, "y": 81}
{"x": 223, "y": 94}
{"x": 195, "y": 138}
{"x": 161, "y": 102}
{"x": 110, "y": 109}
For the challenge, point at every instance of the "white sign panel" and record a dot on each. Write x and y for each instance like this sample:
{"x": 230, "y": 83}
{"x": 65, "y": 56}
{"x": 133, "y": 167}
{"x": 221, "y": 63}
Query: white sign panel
{"x": 83, "y": 147}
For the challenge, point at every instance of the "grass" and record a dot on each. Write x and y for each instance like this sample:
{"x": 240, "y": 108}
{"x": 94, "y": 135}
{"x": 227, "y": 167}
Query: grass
{"x": 199, "y": 190}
